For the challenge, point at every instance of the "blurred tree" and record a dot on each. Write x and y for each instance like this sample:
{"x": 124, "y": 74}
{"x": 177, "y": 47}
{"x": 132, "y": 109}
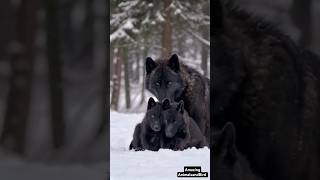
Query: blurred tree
{"x": 204, "y": 29}
{"x": 138, "y": 66}
{"x": 66, "y": 8}
{"x": 55, "y": 72}
{"x": 302, "y": 17}
{"x": 126, "y": 77}
{"x": 87, "y": 38}
{"x": 166, "y": 35}
{"x": 7, "y": 27}
{"x": 116, "y": 79}
{"x": 22, "y": 60}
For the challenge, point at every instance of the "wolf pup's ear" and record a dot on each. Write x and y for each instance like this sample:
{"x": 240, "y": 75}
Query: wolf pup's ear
{"x": 150, "y": 65}
{"x": 151, "y": 103}
{"x": 226, "y": 142}
{"x": 166, "y": 104}
{"x": 173, "y": 63}
{"x": 218, "y": 15}
{"x": 180, "y": 106}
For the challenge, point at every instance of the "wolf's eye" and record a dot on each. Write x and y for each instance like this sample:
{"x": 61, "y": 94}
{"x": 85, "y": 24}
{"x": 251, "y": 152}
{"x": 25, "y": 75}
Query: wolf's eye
{"x": 158, "y": 83}
{"x": 169, "y": 82}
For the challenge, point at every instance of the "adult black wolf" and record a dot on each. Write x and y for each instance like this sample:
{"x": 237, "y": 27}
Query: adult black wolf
{"x": 147, "y": 134}
{"x": 270, "y": 89}
{"x": 173, "y": 80}
{"x": 180, "y": 131}
{"x": 228, "y": 163}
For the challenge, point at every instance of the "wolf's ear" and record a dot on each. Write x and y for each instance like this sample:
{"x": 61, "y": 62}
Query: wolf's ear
{"x": 180, "y": 106}
{"x": 166, "y": 104}
{"x": 150, "y": 65}
{"x": 173, "y": 63}
{"x": 218, "y": 15}
{"x": 151, "y": 103}
{"x": 226, "y": 142}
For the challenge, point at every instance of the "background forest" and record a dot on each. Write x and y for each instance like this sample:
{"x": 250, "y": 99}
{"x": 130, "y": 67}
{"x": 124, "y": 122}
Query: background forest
{"x": 53, "y": 80}
{"x": 141, "y": 28}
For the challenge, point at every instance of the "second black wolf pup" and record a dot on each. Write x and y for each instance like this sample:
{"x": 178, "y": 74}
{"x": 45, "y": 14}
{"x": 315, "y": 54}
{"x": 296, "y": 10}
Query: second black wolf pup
{"x": 147, "y": 133}
{"x": 180, "y": 131}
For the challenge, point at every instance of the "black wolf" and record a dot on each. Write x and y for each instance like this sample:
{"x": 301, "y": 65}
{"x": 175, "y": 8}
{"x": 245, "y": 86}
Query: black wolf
{"x": 173, "y": 80}
{"x": 180, "y": 131}
{"x": 228, "y": 163}
{"x": 270, "y": 89}
{"x": 147, "y": 133}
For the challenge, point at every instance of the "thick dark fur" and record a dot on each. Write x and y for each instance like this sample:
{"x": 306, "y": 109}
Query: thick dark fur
{"x": 270, "y": 88}
{"x": 228, "y": 163}
{"x": 147, "y": 134}
{"x": 173, "y": 80}
{"x": 180, "y": 131}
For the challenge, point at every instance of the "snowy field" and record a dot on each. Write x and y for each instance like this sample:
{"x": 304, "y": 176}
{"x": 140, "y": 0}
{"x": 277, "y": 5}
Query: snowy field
{"x": 131, "y": 165}
{"x": 14, "y": 168}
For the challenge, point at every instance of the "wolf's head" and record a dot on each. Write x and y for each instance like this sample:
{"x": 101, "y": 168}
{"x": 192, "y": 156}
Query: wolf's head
{"x": 153, "y": 115}
{"x": 163, "y": 78}
{"x": 173, "y": 118}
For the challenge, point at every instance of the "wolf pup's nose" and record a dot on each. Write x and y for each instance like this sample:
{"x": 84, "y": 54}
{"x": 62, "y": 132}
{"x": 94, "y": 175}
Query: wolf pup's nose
{"x": 156, "y": 127}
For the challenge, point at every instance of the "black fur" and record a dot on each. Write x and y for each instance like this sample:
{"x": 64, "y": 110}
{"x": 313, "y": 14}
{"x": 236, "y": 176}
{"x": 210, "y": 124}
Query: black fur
{"x": 147, "y": 133}
{"x": 173, "y": 80}
{"x": 270, "y": 89}
{"x": 180, "y": 131}
{"x": 228, "y": 163}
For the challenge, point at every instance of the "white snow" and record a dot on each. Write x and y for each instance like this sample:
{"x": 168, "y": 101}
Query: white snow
{"x": 164, "y": 164}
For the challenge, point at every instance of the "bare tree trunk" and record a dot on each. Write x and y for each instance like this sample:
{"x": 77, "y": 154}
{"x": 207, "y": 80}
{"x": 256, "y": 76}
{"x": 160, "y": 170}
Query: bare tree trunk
{"x": 205, "y": 34}
{"x": 7, "y": 27}
{"x": 138, "y": 67}
{"x": 104, "y": 99}
{"x": 301, "y": 16}
{"x": 22, "y": 60}
{"x": 67, "y": 29}
{"x": 55, "y": 73}
{"x": 88, "y": 35}
{"x": 126, "y": 78}
{"x": 166, "y": 39}
{"x": 145, "y": 54}
{"x": 112, "y": 64}
{"x": 116, "y": 79}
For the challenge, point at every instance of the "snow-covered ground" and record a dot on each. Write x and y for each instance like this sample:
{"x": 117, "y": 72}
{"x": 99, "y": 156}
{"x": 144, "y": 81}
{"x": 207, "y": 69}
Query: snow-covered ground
{"x": 164, "y": 164}
{"x": 15, "y": 168}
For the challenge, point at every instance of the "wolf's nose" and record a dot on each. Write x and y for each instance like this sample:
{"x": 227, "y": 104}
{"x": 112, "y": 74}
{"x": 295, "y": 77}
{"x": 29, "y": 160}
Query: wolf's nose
{"x": 156, "y": 127}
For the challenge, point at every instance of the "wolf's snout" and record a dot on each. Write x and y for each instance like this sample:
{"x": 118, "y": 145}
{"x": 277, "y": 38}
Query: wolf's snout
{"x": 156, "y": 127}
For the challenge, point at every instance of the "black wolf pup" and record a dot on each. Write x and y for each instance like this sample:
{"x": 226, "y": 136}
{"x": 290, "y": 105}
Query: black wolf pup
{"x": 270, "y": 89}
{"x": 228, "y": 163}
{"x": 147, "y": 134}
{"x": 180, "y": 131}
{"x": 175, "y": 81}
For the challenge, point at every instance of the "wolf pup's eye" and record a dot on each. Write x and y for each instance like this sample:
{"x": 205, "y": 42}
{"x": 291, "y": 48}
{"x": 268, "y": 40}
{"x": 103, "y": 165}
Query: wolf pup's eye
{"x": 169, "y": 82}
{"x": 158, "y": 83}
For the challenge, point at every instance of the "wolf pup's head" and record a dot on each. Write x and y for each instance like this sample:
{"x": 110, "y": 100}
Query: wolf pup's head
{"x": 224, "y": 153}
{"x": 228, "y": 163}
{"x": 163, "y": 78}
{"x": 153, "y": 115}
{"x": 230, "y": 54}
{"x": 173, "y": 119}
